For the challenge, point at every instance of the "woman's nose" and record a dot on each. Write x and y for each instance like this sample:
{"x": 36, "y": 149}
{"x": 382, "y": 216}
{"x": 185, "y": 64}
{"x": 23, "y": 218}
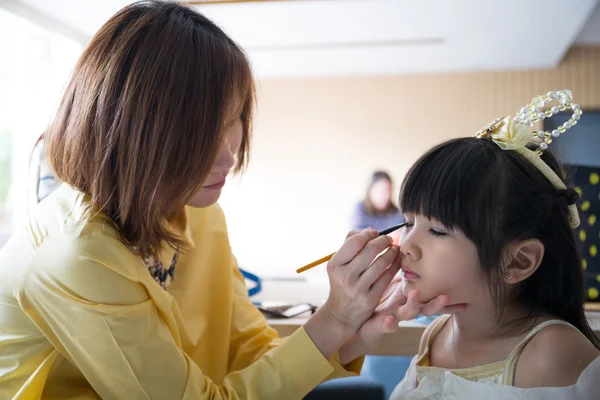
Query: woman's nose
{"x": 226, "y": 157}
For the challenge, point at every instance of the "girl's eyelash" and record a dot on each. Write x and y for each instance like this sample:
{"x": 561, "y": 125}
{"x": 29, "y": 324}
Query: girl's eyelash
{"x": 436, "y": 233}
{"x": 431, "y": 231}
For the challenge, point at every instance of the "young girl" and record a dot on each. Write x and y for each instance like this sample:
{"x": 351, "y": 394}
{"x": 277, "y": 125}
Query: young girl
{"x": 490, "y": 222}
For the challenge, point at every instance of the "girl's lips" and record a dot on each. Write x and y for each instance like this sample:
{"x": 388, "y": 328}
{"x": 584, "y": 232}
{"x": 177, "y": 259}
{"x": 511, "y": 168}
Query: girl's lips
{"x": 408, "y": 274}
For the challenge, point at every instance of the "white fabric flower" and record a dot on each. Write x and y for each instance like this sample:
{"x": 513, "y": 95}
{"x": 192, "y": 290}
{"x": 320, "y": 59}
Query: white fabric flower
{"x": 511, "y": 135}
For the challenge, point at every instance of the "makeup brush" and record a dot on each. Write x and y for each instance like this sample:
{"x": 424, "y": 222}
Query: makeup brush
{"x": 327, "y": 258}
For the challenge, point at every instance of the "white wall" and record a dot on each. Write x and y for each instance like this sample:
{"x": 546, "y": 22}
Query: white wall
{"x": 317, "y": 142}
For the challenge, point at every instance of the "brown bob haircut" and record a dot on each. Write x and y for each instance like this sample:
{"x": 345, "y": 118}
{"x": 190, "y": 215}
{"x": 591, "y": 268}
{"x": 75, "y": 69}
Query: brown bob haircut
{"x": 141, "y": 121}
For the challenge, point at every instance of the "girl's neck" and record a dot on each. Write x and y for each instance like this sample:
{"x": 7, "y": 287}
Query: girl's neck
{"x": 477, "y": 337}
{"x": 481, "y": 323}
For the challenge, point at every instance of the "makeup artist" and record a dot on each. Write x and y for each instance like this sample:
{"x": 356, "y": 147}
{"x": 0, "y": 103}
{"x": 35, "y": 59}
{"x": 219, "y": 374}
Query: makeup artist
{"x": 122, "y": 284}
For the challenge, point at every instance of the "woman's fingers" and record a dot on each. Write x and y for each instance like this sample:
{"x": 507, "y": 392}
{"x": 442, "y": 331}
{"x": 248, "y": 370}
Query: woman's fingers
{"x": 349, "y": 299}
{"x": 395, "y": 283}
{"x": 367, "y": 255}
{"x": 390, "y": 324}
{"x": 440, "y": 305}
{"x": 351, "y": 233}
{"x": 453, "y": 309}
{"x": 400, "y": 307}
{"x": 411, "y": 309}
{"x": 396, "y": 300}
{"x": 369, "y": 279}
{"x": 435, "y": 306}
{"x": 351, "y": 247}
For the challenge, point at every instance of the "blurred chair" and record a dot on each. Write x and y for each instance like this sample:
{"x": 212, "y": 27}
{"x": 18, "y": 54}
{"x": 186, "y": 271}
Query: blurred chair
{"x": 386, "y": 370}
{"x": 354, "y": 388}
{"x": 378, "y": 378}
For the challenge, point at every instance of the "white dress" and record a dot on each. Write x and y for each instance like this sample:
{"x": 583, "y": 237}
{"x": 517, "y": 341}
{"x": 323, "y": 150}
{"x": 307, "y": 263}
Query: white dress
{"x": 490, "y": 381}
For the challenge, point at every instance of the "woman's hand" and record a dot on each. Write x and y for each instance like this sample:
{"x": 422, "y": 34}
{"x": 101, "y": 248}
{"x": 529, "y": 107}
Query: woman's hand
{"x": 394, "y": 307}
{"x": 396, "y": 236}
{"x": 359, "y": 278}
{"x": 359, "y": 274}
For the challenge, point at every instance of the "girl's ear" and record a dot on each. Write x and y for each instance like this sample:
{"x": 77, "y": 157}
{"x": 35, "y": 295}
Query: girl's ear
{"x": 526, "y": 257}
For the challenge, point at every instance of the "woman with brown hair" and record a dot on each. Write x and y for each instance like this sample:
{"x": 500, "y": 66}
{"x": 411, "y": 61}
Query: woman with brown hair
{"x": 377, "y": 210}
{"x": 122, "y": 284}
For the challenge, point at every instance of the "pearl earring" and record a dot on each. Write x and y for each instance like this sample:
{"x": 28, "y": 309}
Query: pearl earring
{"x": 509, "y": 276}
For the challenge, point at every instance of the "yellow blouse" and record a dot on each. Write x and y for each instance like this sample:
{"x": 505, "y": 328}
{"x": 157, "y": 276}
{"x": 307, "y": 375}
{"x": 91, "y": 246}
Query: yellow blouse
{"x": 81, "y": 317}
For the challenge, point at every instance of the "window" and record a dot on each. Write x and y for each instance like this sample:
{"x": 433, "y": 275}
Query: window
{"x": 35, "y": 66}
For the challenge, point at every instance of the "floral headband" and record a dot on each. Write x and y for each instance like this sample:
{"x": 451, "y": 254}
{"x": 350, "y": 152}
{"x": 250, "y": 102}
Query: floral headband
{"x": 515, "y": 133}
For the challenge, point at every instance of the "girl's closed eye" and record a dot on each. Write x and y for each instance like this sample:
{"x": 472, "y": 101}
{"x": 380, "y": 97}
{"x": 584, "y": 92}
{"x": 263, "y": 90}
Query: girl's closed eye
{"x": 436, "y": 232}
{"x": 438, "y": 229}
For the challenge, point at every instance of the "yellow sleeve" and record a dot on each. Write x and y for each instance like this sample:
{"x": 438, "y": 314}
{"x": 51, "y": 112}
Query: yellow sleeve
{"x": 103, "y": 322}
{"x": 252, "y": 337}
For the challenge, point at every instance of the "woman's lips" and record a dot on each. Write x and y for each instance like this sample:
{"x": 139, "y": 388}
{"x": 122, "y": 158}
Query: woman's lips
{"x": 217, "y": 185}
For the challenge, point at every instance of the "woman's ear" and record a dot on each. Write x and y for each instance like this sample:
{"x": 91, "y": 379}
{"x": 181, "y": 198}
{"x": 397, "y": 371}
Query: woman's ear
{"x": 525, "y": 258}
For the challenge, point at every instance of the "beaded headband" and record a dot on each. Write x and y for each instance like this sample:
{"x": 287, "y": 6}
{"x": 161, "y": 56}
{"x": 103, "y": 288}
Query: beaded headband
{"x": 515, "y": 133}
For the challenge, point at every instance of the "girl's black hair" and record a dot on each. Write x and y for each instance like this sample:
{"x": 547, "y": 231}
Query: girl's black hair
{"x": 496, "y": 197}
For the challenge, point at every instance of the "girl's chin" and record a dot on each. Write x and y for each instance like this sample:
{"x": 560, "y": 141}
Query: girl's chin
{"x": 426, "y": 295}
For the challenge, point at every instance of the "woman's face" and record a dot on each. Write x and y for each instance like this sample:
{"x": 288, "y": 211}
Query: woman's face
{"x": 380, "y": 194}
{"x": 210, "y": 191}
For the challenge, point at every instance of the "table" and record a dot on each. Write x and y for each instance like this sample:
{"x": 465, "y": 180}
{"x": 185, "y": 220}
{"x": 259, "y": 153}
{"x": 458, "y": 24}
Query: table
{"x": 403, "y": 342}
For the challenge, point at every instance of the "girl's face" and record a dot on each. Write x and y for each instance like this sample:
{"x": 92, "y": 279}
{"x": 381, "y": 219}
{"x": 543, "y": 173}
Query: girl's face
{"x": 438, "y": 261}
{"x": 210, "y": 191}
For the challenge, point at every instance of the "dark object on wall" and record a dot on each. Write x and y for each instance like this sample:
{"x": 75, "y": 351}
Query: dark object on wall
{"x": 579, "y": 150}
{"x": 587, "y": 183}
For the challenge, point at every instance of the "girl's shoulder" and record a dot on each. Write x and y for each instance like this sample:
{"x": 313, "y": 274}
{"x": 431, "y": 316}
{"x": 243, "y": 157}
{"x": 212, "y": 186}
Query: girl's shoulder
{"x": 556, "y": 355}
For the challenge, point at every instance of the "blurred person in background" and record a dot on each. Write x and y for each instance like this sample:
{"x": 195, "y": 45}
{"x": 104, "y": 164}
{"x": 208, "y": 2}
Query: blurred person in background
{"x": 377, "y": 210}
